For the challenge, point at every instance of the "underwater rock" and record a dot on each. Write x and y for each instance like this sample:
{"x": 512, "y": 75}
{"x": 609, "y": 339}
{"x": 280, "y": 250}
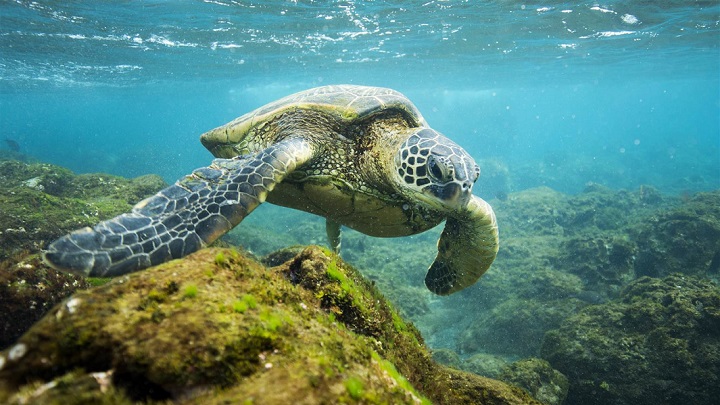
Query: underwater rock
{"x": 216, "y": 327}
{"x": 597, "y": 210}
{"x": 482, "y": 364}
{"x": 516, "y": 327}
{"x": 447, "y": 357}
{"x": 533, "y": 212}
{"x": 397, "y": 266}
{"x": 486, "y": 365}
{"x": 515, "y": 321}
{"x": 28, "y": 289}
{"x": 684, "y": 240}
{"x": 659, "y": 342}
{"x": 41, "y": 202}
{"x": 559, "y": 254}
{"x": 543, "y": 382}
{"x": 37, "y": 176}
{"x": 604, "y": 264}
{"x": 281, "y": 256}
{"x": 600, "y": 209}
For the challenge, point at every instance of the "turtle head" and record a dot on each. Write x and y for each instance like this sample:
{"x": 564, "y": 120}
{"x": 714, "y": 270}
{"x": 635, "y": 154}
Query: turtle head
{"x": 435, "y": 169}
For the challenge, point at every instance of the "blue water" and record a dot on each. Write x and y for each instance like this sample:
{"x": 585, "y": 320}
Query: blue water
{"x": 554, "y": 93}
{"x": 557, "y": 94}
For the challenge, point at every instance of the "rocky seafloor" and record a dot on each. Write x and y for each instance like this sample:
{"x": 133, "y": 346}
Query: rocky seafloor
{"x": 608, "y": 296}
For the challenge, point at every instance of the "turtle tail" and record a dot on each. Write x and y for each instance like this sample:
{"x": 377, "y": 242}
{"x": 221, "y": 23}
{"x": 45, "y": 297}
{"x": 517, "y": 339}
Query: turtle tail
{"x": 180, "y": 219}
{"x": 466, "y": 249}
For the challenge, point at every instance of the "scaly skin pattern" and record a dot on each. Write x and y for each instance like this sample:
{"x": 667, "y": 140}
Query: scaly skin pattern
{"x": 180, "y": 219}
{"x": 437, "y": 171}
{"x": 466, "y": 249}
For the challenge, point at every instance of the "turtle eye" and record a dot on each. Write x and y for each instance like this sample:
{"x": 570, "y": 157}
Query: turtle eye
{"x": 437, "y": 169}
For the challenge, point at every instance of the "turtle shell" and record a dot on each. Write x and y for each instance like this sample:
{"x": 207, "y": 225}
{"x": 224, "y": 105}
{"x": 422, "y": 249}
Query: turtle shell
{"x": 345, "y": 104}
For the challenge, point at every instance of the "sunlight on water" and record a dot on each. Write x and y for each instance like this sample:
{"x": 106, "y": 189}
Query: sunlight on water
{"x": 96, "y": 44}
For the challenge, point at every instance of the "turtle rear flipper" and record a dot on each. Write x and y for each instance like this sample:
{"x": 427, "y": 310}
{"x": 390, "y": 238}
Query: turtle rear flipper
{"x": 180, "y": 219}
{"x": 466, "y": 249}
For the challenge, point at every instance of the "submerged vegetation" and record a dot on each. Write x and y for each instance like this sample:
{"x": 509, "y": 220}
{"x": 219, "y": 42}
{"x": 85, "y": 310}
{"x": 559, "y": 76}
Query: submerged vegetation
{"x": 159, "y": 345}
{"x": 41, "y": 202}
{"x": 588, "y": 293}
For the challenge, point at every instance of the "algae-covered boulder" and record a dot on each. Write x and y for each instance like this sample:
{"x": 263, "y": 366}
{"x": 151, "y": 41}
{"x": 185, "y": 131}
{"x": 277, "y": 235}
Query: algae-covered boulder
{"x": 484, "y": 364}
{"x": 659, "y": 342}
{"x": 447, "y": 357}
{"x": 216, "y": 327}
{"x": 685, "y": 240}
{"x": 41, "y": 202}
{"x": 536, "y": 376}
{"x": 515, "y": 326}
{"x": 604, "y": 264}
{"x": 28, "y": 289}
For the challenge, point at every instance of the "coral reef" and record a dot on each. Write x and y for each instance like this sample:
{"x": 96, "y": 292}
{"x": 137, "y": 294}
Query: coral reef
{"x": 659, "y": 342}
{"x": 217, "y": 327}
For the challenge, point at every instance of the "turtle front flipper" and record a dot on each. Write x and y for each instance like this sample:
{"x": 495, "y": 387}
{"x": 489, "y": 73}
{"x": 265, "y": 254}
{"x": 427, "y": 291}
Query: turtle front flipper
{"x": 466, "y": 249}
{"x": 180, "y": 219}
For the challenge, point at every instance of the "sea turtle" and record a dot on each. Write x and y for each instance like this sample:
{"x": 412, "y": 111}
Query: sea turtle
{"x": 362, "y": 157}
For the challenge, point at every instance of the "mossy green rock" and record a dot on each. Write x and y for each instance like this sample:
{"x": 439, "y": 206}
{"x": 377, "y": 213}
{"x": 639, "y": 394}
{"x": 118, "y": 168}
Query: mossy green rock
{"x": 216, "y": 327}
{"x": 685, "y": 240}
{"x": 515, "y": 327}
{"x": 659, "y": 342}
{"x": 536, "y": 376}
{"x": 604, "y": 264}
{"x": 41, "y": 202}
{"x": 28, "y": 289}
{"x": 447, "y": 357}
{"x": 484, "y": 364}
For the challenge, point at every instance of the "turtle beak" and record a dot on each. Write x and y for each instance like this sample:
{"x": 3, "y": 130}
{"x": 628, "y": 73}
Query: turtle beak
{"x": 458, "y": 194}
